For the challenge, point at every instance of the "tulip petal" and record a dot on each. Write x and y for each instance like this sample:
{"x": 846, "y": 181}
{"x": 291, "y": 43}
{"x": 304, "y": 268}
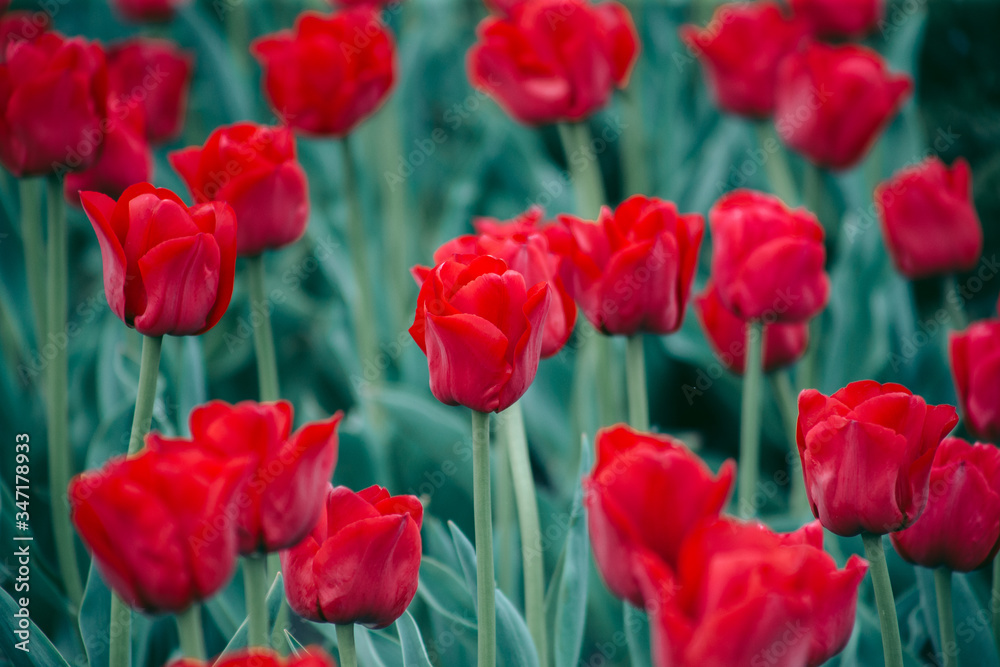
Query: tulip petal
{"x": 99, "y": 208}
{"x": 467, "y": 359}
{"x": 181, "y": 278}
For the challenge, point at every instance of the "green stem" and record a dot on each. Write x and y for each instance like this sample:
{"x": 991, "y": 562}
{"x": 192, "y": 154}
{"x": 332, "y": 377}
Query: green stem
{"x": 635, "y": 371}
{"x": 484, "y": 539}
{"x": 190, "y": 631}
{"x": 56, "y": 380}
{"x": 34, "y": 251}
{"x": 956, "y": 314}
{"x": 120, "y": 649}
{"x": 946, "y": 616}
{"x": 609, "y": 389}
{"x": 263, "y": 337}
{"x": 784, "y": 391}
{"x": 749, "y": 468}
{"x": 149, "y": 370}
{"x": 995, "y": 601}
{"x": 531, "y": 533}
{"x": 584, "y": 168}
{"x": 504, "y": 492}
{"x": 635, "y": 158}
{"x": 255, "y": 591}
{"x": 779, "y": 174}
{"x": 345, "y": 645}
{"x": 891, "y": 644}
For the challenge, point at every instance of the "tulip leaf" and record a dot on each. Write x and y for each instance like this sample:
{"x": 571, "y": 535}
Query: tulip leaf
{"x": 95, "y": 619}
{"x": 515, "y": 647}
{"x": 446, "y": 593}
{"x": 376, "y": 648}
{"x": 273, "y": 602}
{"x": 972, "y": 620}
{"x": 38, "y": 651}
{"x": 294, "y": 645}
{"x": 637, "y": 634}
{"x": 466, "y": 556}
{"x": 414, "y": 652}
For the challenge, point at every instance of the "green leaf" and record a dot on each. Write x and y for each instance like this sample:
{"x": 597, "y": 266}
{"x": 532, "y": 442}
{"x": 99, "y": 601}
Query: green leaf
{"x": 972, "y": 621}
{"x": 414, "y": 652}
{"x": 39, "y": 650}
{"x": 514, "y": 645}
{"x": 95, "y": 623}
{"x": 274, "y": 598}
{"x": 637, "y": 634}
{"x": 376, "y": 648}
{"x": 466, "y": 556}
{"x": 446, "y": 593}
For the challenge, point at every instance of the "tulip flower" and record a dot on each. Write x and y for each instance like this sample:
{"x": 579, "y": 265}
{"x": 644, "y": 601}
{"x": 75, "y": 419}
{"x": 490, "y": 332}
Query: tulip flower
{"x": 288, "y": 472}
{"x": 960, "y": 528}
{"x": 546, "y": 61}
{"x": 154, "y": 76}
{"x": 168, "y": 269}
{"x": 360, "y": 563}
{"x": 21, "y": 26}
{"x": 632, "y": 271}
{"x": 481, "y": 327}
{"x": 254, "y": 169}
{"x": 834, "y": 101}
{"x": 53, "y": 102}
{"x": 322, "y": 78}
{"x": 840, "y": 18}
{"x": 158, "y": 524}
{"x": 126, "y": 159}
{"x": 740, "y": 49}
{"x": 312, "y": 656}
{"x": 635, "y": 477}
{"x": 930, "y": 224}
{"x": 975, "y": 367}
{"x": 780, "y": 599}
{"x": 767, "y": 260}
{"x": 867, "y": 453}
{"x": 153, "y": 11}
{"x": 524, "y": 246}
{"x": 784, "y": 343}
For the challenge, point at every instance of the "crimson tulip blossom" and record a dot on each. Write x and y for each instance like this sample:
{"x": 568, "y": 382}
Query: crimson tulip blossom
{"x": 158, "y": 524}
{"x": 867, "y": 452}
{"x": 254, "y": 169}
{"x": 311, "y": 656}
{"x": 975, "y": 367}
{"x": 481, "y": 327}
{"x": 288, "y": 473}
{"x": 930, "y": 223}
{"x": 546, "y": 61}
{"x": 524, "y": 246}
{"x": 635, "y": 477}
{"x": 168, "y": 269}
{"x": 740, "y": 50}
{"x": 153, "y": 11}
{"x": 840, "y": 18}
{"x": 360, "y": 563}
{"x": 53, "y": 103}
{"x": 632, "y": 271}
{"x": 154, "y": 76}
{"x": 833, "y": 101}
{"x": 960, "y": 528}
{"x": 322, "y": 78}
{"x": 21, "y": 26}
{"x": 126, "y": 158}
{"x": 767, "y": 260}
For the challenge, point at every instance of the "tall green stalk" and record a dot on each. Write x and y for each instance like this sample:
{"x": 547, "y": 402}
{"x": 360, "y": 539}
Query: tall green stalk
{"x": 191, "y": 634}
{"x": 255, "y": 590}
{"x": 345, "y": 645}
{"x": 34, "y": 251}
{"x": 784, "y": 391}
{"x": 779, "y": 174}
{"x": 482, "y": 509}
{"x": 946, "y": 616}
{"x": 749, "y": 467}
{"x": 584, "y": 169}
{"x": 892, "y": 646}
{"x": 263, "y": 337}
{"x": 635, "y": 374}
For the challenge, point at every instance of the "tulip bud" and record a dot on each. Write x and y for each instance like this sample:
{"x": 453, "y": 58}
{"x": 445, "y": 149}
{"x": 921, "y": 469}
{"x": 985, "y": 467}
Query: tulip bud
{"x": 975, "y": 367}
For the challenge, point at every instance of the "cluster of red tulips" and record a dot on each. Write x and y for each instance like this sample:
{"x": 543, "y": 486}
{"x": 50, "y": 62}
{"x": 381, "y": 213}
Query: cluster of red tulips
{"x": 168, "y": 521}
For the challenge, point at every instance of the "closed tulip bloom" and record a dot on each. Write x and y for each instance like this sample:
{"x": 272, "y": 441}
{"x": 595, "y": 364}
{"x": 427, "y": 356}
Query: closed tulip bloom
{"x": 481, "y": 326}
{"x": 53, "y": 101}
{"x": 158, "y": 524}
{"x": 784, "y": 344}
{"x": 287, "y": 475}
{"x": 636, "y": 476}
{"x": 975, "y": 367}
{"x": 767, "y": 260}
{"x": 168, "y": 269}
{"x": 740, "y": 49}
{"x": 524, "y": 246}
{"x": 154, "y": 76}
{"x": 546, "y": 61}
{"x": 632, "y": 271}
{"x": 834, "y": 101}
{"x": 840, "y": 18}
{"x": 867, "y": 453}
{"x": 930, "y": 223}
{"x": 361, "y": 561}
{"x": 960, "y": 528}
{"x": 312, "y": 656}
{"x": 153, "y": 11}
{"x": 126, "y": 159}
{"x": 321, "y": 78}
{"x": 780, "y": 599}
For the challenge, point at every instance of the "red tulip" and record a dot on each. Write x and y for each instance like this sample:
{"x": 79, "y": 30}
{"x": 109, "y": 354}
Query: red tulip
{"x": 53, "y": 102}
{"x": 481, "y": 327}
{"x": 632, "y": 271}
{"x": 331, "y": 72}
{"x": 21, "y": 26}
{"x": 784, "y": 344}
{"x": 975, "y": 366}
{"x": 767, "y": 261}
{"x": 546, "y": 61}
{"x": 525, "y": 248}
{"x": 168, "y": 269}
{"x": 153, "y": 75}
{"x": 126, "y": 159}
{"x": 834, "y": 101}
{"x": 288, "y": 472}
{"x": 929, "y": 220}
{"x": 867, "y": 453}
{"x": 312, "y": 656}
{"x": 840, "y": 18}
{"x": 360, "y": 563}
{"x": 960, "y": 529}
{"x": 158, "y": 524}
{"x": 149, "y": 10}
{"x": 645, "y": 494}
{"x": 740, "y": 50}
{"x": 778, "y": 599}
{"x": 253, "y": 168}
